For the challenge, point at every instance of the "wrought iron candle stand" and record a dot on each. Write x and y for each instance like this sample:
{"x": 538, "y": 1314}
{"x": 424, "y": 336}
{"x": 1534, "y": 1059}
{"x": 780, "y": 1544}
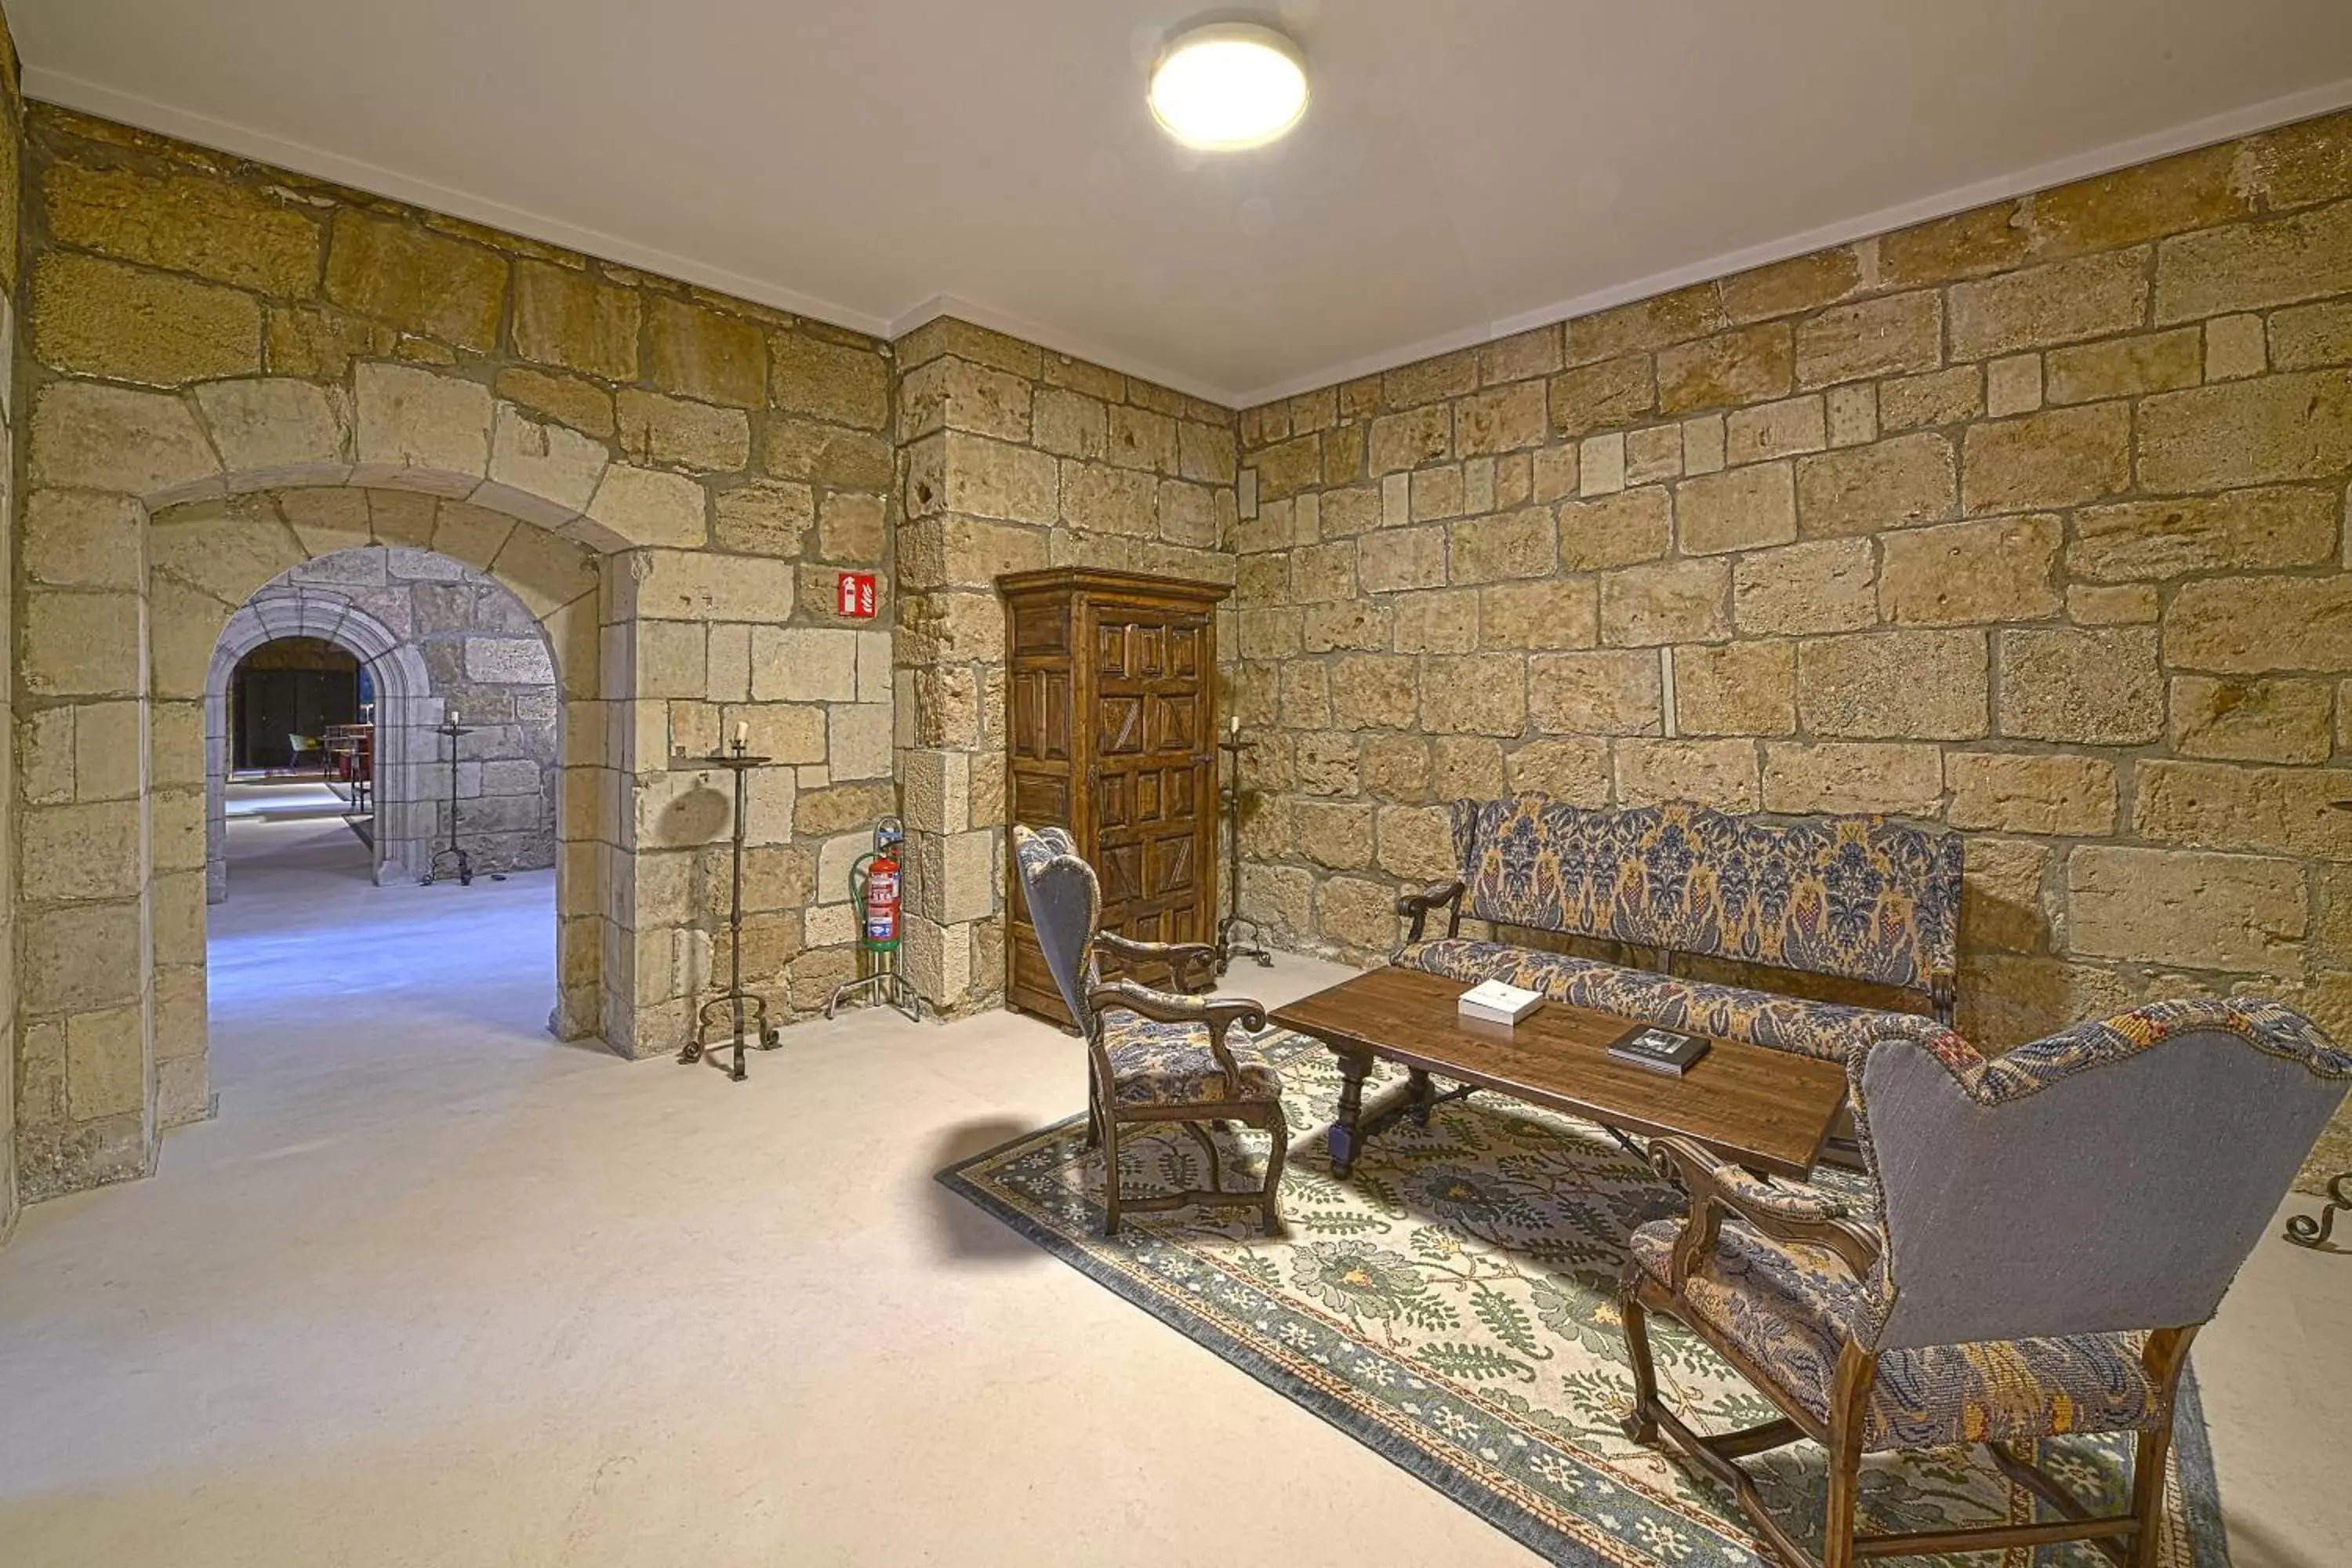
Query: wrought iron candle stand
{"x": 2312, "y": 1230}
{"x": 451, "y": 850}
{"x": 1231, "y": 941}
{"x": 742, "y": 1013}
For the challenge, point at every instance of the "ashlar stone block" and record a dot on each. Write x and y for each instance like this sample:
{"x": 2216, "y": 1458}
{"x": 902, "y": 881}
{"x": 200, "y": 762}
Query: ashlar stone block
{"x": 2252, "y": 625}
{"x": 1826, "y": 585}
{"x": 2023, "y": 792}
{"x": 2271, "y": 429}
{"x": 2059, "y": 457}
{"x": 1895, "y": 685}
{"x": 146, "y": 444}
{"x": 1616, "y": 531}
{"x": 792, "y": 664}
{"x": 1718, "y": 773}
{"x": 1746, "y": 687}
{"x": 2098, "y": 687}
{"x": 1890, "y": 483}
{"x": 2205, "y": 912}
{"x": 416, "y": 418}
{"x": 1740, "y": 509}
{"x": 1611, "y": 693}
{"x": 1899, "y": 779}
{"x": 1963, "y": 573}
{"x": 2279, "y": 720}
{"x": 2242, "y": 529}
{"x": 1668, "y": 602}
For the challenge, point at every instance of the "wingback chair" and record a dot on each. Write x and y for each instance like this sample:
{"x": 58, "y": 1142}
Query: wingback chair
{"x": 1152, "y": 1056}
{"x": 2051, "y": 1227}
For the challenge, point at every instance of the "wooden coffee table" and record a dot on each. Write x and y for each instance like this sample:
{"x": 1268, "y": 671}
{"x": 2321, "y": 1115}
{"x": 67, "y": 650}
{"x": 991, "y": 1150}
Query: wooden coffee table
{"x": 1767, "y": 1110}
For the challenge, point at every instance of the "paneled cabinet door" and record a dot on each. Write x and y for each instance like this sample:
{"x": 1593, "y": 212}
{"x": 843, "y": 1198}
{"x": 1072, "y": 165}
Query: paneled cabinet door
{"x": 1152, "y": 714}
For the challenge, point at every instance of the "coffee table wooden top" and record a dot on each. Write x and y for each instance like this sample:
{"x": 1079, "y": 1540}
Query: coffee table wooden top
{"x": 1760, "y": 1107}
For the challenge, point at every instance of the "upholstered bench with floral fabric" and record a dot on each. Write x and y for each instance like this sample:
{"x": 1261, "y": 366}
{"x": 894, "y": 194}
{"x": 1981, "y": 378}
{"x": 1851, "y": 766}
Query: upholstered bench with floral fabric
{"x": 1856, "y": 898}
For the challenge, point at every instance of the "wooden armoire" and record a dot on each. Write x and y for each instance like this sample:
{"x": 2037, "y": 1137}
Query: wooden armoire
{"x": 1111, "y": 732}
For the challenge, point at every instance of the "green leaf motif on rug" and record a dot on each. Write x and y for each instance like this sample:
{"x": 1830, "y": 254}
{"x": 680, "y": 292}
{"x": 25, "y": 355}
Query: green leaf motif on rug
{"x": 1456, "y": 1304}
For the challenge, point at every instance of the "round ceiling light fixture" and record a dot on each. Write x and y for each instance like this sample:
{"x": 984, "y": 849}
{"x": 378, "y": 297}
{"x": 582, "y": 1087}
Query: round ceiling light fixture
{"x": 1228, "y": 86}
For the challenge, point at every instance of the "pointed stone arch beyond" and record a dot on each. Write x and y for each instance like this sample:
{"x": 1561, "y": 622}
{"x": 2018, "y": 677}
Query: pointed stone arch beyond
{"x": 405, "y": 712}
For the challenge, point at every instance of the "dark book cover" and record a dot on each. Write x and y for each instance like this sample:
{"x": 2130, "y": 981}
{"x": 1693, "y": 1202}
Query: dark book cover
{"x": 1660, "y": 1050}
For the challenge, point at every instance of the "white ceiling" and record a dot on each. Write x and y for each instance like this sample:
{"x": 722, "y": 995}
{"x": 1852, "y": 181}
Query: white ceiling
{"x": 1467, "y": 167}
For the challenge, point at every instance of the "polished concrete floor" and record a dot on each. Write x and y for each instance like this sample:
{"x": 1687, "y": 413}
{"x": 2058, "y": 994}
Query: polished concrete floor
{"x": 436, "y": 1289}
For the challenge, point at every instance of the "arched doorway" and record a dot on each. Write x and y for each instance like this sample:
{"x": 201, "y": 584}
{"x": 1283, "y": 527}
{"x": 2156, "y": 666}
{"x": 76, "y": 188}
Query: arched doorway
{"x": 436, "y": 637}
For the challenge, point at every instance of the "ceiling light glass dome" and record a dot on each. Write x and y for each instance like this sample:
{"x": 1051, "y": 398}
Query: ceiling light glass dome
{"x": 1229, "y": 86}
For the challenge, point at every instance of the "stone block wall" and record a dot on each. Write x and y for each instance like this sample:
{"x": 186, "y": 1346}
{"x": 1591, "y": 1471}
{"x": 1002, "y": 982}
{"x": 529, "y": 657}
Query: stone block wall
{"x": 233, "y": 370}
{"x": 2029, "y": 522}
{"x": 1013, "y": 458}
{"x": 12, "y": 323}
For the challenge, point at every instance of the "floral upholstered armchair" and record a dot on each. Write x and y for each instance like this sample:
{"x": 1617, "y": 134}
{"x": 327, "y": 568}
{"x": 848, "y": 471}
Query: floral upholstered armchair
{"x": 1152, "y": 1056}
{"x": 2051, "y": 1225}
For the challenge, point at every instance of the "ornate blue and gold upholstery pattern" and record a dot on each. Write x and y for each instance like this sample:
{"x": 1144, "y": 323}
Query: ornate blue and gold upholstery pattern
{"x": 1823, "y": 1029}
{"x": 1152, "y": 1063}
{"x": 1790, "y": 1309}
{"x": 1860, "y": 898}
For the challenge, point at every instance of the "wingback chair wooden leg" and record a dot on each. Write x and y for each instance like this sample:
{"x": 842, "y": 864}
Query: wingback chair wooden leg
{"x": 2166, "y": 1355}
{"x": 1270, "y": 1212}
{"x": 1849, "y": 1399}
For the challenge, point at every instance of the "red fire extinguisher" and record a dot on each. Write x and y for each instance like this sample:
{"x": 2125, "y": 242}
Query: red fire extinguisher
{"x": 878, "y": 872}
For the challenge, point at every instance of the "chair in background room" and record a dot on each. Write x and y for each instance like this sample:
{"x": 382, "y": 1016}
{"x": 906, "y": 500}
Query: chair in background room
{"x": 1152, "y": 1056}
{"x": 2052, "y": 1225}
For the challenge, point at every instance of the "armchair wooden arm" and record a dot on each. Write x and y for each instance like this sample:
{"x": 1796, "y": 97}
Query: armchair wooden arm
{"x": 1794, "y": 1214}
{"x": 1215, "y": 1014}
{"x": 1179, "y": 957}
{"x": 1415, "y": 907}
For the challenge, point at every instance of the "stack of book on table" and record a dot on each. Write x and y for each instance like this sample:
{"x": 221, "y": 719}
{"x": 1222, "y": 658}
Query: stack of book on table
{"x": 1660, "y": 1050}
{"x": 1492, "y": 1001}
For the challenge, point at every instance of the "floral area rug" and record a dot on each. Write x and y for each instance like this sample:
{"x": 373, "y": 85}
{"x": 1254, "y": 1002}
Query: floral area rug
{"x": 1454, "y": 1306}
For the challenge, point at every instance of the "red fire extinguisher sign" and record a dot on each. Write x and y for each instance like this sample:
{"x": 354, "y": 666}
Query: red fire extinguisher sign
{"x": 856, "y": 595}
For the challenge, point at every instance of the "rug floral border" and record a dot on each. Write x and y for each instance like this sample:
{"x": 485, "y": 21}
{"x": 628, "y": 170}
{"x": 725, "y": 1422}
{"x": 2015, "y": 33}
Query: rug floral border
{"x": 2198, "y": 1487}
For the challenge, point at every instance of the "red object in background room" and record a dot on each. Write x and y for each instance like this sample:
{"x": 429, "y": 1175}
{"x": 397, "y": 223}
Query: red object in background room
{"x": 853, "y": 597}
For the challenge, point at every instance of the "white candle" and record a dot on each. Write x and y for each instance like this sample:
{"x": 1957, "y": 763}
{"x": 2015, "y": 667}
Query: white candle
{"x": 1236, "y": 726}
{"x": 742, "y": 730}
{"x": 453, "y": 715}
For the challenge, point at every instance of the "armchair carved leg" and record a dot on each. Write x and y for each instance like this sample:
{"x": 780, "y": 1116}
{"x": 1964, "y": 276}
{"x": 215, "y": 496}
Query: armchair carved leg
{"x": 1641, "y": 1423}
{"x": 1270, "y": 1210}
{"x": 1110, "y": 1174}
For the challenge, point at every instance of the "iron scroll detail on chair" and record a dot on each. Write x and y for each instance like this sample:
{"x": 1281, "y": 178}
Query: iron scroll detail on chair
{"x": 1152, "y": 1056}
{"x": 2052, "y": 1225}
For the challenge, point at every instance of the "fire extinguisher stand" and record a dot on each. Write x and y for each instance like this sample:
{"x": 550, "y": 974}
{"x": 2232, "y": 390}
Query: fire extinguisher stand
{"x": 734, "y": 1015}
{"x": 874, "y": 884}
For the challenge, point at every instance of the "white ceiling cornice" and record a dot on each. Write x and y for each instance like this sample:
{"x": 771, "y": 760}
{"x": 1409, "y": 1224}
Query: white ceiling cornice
{"x": 226, "y": 136}
{"x": 2186, "y": 138}
{"x": 92, "y": 97}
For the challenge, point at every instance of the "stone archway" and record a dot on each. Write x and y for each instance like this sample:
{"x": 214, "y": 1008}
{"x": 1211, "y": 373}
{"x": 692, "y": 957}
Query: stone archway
{"x": 404, "y": 713}
{"x": 152, "y": 516}
{"x": 206, "y": 559}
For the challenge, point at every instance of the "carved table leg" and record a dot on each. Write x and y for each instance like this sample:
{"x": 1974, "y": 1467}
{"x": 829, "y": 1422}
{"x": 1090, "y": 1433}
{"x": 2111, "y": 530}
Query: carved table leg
{"x": 1344, "y": 1140}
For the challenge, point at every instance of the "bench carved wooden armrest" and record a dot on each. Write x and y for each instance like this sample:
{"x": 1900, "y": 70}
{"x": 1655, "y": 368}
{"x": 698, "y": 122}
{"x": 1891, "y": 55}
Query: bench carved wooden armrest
{"x": 1415, "y": 907}
{"x": 1215, "y": 1014}
{"x": 1180, "y": 957}
{"x": 1789, "y": 1213}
